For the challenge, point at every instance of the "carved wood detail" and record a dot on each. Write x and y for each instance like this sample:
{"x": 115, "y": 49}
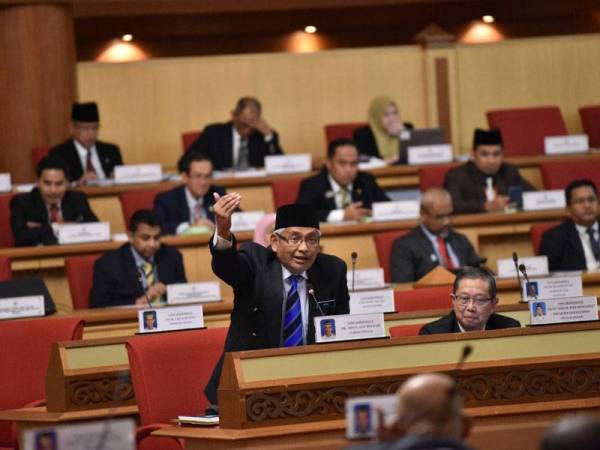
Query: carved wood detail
{"x": 106, "y": 390}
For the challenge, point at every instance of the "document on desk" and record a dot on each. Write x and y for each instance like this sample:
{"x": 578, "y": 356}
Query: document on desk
{"x": 204, "y": 421}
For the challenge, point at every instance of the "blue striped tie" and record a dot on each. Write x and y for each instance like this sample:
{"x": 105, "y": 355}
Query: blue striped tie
{"x": 292, "y": 320}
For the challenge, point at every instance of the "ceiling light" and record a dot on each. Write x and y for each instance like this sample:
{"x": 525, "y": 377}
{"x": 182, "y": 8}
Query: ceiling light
{"x": 127, "y": 37}
{"x": 488, "y": 18}
{"x": 310, "y": 29}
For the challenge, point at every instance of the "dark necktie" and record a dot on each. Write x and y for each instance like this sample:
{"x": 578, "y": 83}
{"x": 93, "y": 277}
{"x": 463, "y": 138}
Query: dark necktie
{"x": 445, "y": 257}
{"x": 242, "y": 162}
{"x": 55, "y": 214}
{"x": 594, "y": 242}
{"x": 88, "y": 162}
{"x": 292, "y": 320}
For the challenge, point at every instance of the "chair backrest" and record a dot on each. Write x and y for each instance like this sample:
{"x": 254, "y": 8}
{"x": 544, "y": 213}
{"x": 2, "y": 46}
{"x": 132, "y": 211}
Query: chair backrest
{"x": 6, "y": 235}
{"x": 5, "y": 268}
{"x": 285, "y": 191}
{"x": 134, "y": 200}
{"x": 80, "y": 274}
{"x": 406, "y": 330}
{"x": 535, "y": 233}
{"x": 590, "y": 121}
{"x": 524, "y": 129}
{"x": 188, "y": 138}
{"x": 433, "y": 176}
{"x": 422, "y": 299}
{"x": 26, "y": 346}
{"x": 169, "y": 372}
{"x": 558, "y": 174}
{"x": 335, "y": 131}
{"x": 383, "y": 245}
{"x": 38, "y": 153}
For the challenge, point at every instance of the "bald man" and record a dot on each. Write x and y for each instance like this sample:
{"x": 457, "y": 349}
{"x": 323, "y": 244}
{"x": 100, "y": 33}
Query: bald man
{"x": 432, "y": 243}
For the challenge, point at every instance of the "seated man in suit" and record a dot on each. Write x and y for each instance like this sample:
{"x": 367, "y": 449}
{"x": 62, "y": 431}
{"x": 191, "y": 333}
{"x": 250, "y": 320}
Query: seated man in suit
{"x": 87, "y": 158}
{"x": 432, "y": 243}
{"x": 280, "y": 289}
{"x": 241, "y": 143}
{"x": 473, "y": 304}
{"x": 483, "y": 184}
{"x": 137, "y": 272}
{"x": 340, "y": 191}
{"x": 33, "y": 214}
{"x": 573, "y": 245}
{"x": 189, "y": 205}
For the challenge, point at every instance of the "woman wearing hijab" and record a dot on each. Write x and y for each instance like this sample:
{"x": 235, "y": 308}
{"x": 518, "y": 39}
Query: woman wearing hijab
{"x": 381, "y": 138}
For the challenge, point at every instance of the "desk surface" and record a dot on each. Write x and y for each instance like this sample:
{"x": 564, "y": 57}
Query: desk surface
{"x": 40, "y": 414}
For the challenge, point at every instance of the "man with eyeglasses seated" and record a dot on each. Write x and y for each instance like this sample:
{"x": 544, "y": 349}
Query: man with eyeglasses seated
{"x": 277, "y": 290}
{"x": 573, "y": 245}
{"x": 432, "y": 243}
{"x": 473, "y": 304}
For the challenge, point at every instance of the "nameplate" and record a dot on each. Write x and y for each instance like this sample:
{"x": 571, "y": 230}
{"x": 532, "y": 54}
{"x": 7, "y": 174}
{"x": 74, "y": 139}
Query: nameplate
{"x": 349, "y": 327}
{"x": 113, "y": 433}
{"x": 535, "y": 266}
{"x": 24, "y": 188}
{"x": 5, "y": 185}
{"x": 246, "y": 221}
{"x": 366, "y": 278}
{"x": 563, "y": 310}
{"x": 203, "y": 292}
{"x": 362, "y": 414}
{"x": 78, "y": 233}
{"x": 19, "y": 307}
{"x": 372, "y": 163}
{"x": 430, "y": 154}
{"x": 279, "y": 164}
{"x": 553, "y": 287}
{"x": 170, "y": 318}
{"x": 539, "y": 200}
{"x": 401, "y": 210}
{"x": 574, "y": 143}
{"x": 375, "y": 301}
{"x": 138, "y": 173}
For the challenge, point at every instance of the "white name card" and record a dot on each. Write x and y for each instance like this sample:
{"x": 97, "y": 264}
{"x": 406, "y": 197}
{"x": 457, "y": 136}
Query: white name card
{"x": 376, "y": 301}
{"x": 401, "y": 210}
{"x": 170, "y": 319}
{"x": 535, "y": 266}
{"x": 575, "y": 143}
{"x": 203, "y": 292}
{"x": 245, "y": 221}
{"x": 362, "y": 414}
{"x": 563, "y": 310}
{"x": 539, "y": 200}
{"x": 279, "y": 164}
{"x": 138, "y": 173}
{"x": 366, "y": 278}
{"x": 553, "y": 287}
{"x": 77, "y": 233}
{"x": 5, "y": 185}
{"x": 348, "y": 327}
{"x": 18, "y": 307}
{"x": 430, "y": 154}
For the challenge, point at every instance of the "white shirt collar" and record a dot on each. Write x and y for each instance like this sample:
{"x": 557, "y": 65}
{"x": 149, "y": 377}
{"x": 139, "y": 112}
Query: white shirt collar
{"x": 335, "y": 186}
{"x": 582, "y": 229}
{"x": 287, "y": 273}
{"x": 191, "y": 200}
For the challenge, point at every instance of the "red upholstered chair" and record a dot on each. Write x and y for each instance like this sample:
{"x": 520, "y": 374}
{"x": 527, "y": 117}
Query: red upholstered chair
{"x": 80, "y": 274}
{"x": 558, "y": 174}
{"x": 335, "y": 131}
{"x": 24, "y": 360}
{"x": 188, "y": 138}
{"x": 6, "y": 235}
{"x": 168, "y": 372}
{"x": 524, "y": 129}
{"x": 433, "y": 176}
{"x": 590, "y": 121}
{"x": 406, "y": 330}
{"x": 535, "y": 233}
{"x": 285, "y": 191}
{"x": 38, "y": 153}
{"x": 5, "y": 269}
{"x": 134, "y": 200}
{"x": 383, "y": 245}
{"x": 437, "y": 297}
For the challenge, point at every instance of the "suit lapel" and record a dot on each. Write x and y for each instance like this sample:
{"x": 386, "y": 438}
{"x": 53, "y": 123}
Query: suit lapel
{"x": 459, "y": 251}
{"x": 273, "y": 300}
{"x": 228, "y": 148}
{"x": 358, "y": 192}
{"x": 39, "y": 207}
{"x": 576, "y": 245}
{"x": 427, "y": 247}
{"x": 131, "y": 268}
{"x": 329, "y": 195}
{"x": 74, "y": 161}
{"x": 321, "y": 293}
{"x": 182, "y": 205}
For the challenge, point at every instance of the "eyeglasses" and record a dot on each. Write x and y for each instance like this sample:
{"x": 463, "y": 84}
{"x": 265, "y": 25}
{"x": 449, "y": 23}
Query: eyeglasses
{"x": 464, "y": 300}
{"x": 295, "y": 240}
{"x": 582, "y": 200}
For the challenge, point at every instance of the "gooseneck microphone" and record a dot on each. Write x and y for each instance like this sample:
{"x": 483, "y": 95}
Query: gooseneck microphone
{"x": 516, "y": 262}
{"x": 354, "y": 257}
{"x": 466, "y": 351}
{"x": 523, "y": 270}
{"x": 311, "y": 294}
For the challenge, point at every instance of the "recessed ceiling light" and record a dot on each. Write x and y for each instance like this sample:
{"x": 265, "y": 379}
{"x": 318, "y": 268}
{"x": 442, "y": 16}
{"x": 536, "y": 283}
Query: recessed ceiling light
{"x": 488, "y": 18}
{"x": 127, "y": 37}
{"x": 310, "y": 29}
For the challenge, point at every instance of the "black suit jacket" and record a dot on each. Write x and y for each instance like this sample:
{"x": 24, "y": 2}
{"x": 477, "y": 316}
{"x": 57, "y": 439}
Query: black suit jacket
{"x": 216, "y": 142}
{"x": 109, "y": 155}
{"x": 31, "y": 207}
{"x": 316, "y": 191}
{"x": 367, "y": 145}
{"x": 117, "y": 280}
{"x": 173, "y": 209}
{"x": 466, "y": 185}
{"x": 256, "y": 276}
{"x": 412, "y": 255}
{"x": 563, "y": 247}
{"x": 448, "y": 324}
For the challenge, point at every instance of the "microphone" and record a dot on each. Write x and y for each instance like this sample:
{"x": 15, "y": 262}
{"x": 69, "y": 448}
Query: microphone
{"x": 516, "y": 262}
{"x": 466, "y": 351}
{"x": 354, "y": 257}
{"x": 523, "y": 270}
{"x": 311, "y": 294}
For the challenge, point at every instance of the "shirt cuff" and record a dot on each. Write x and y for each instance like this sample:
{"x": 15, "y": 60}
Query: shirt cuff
{"x": 221, "y": 244}
{"x": 337, "y": 215}
{"x": 268, "y": 137}
{"x": 182, "y": 227}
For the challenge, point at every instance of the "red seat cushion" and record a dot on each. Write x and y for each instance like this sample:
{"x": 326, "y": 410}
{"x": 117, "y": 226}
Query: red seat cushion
{"x": 422, "y": 299}
{"x": 6, "y": 235}
{"x": 590, "y": 121}
{"x": 383, "y": 245}
{"x": 80, "y": 274}
{"x": 558, "y": 174}
{"x": 536, "y": 231}
{"x": 133, "y": 201}
{"x": 335, "y": 131}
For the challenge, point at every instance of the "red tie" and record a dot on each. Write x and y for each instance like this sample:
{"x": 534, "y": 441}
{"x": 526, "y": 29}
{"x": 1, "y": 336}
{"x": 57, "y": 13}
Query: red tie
{"x": 54, "y": 214}
{"x": 446, "y": 260}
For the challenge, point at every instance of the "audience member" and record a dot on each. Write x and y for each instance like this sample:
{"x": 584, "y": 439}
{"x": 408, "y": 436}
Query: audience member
{"x": 573, "y": 432}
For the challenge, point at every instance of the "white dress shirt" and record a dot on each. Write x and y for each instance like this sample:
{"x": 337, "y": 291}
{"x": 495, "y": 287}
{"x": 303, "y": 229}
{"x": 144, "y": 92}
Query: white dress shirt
{"x": 191, "y": 204}
{"x": 433, "y": 238}
{"x": 590, "y": 259}
{"x": 82, "y": 152}
{"x": 337, "y": 215}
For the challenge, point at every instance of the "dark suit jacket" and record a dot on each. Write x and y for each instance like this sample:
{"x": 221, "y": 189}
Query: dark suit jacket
{"x": 173, "y": 209}
{"x": 316, "y": 191}
{"x": 216, "y": 142}
{"x": 448, "y": 324}
{"x": 117, "y": 280}
{"x": 367, "y": 145}
{"x": 30, "y": 207}
{"x": 466, "y": 185}
{"x": 563, "y": 247}
{"x": 411, "y": 256}
{"x": 109, "y": 155}
{"x": 255, "y": 274}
